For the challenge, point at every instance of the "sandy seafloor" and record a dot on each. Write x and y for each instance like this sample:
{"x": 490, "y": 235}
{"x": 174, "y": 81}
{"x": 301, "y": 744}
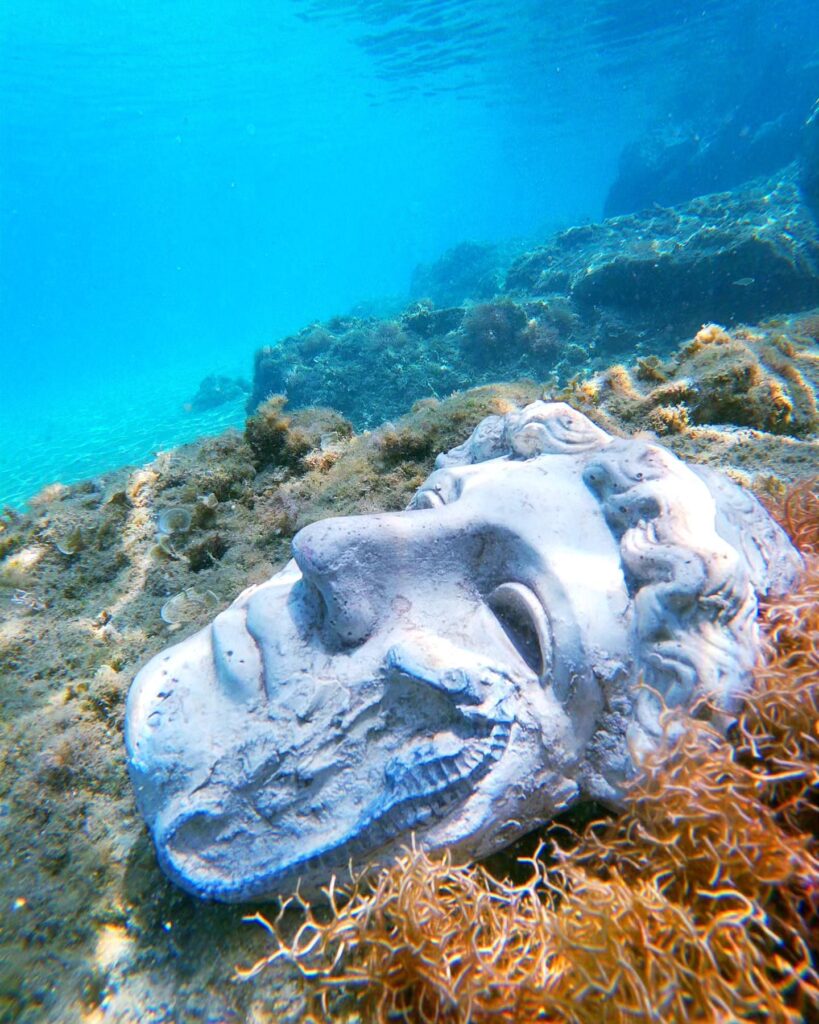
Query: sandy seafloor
{"x": 89, "y": 928}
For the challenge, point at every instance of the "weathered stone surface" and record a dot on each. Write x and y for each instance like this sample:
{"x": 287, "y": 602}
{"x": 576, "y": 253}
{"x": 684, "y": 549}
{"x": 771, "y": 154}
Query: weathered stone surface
{"x": 461, "y": 670}
{"x": 632, "y": 285}
{"x": 739, "y": 257}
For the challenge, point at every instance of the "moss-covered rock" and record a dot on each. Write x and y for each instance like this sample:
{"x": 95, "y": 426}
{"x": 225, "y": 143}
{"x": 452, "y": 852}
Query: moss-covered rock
{"x": 277, "y": 438}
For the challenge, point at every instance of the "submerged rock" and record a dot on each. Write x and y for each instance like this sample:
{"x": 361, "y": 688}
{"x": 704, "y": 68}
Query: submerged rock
{"x": 702, "y": 152}
{"x": 469, "y": 272}
{"x": 741, "y": 256}
{"x": 284, "y": 439}
{"x": 216, "y": 390}
{"x": 637, "y": 284}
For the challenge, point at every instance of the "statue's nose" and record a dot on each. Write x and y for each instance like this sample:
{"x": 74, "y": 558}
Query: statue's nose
{"x": 344, "y": 559}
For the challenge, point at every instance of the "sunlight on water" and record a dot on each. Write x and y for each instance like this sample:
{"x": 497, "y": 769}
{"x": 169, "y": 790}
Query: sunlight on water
{"x": 181, "y": 184}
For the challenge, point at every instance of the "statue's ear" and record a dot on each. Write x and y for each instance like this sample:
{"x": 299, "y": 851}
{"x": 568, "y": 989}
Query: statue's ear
{"x": 773, "y": 562}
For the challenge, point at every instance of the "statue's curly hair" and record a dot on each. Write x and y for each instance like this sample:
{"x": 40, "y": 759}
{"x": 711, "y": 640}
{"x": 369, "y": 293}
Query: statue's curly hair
{"x": 696, "y": 549}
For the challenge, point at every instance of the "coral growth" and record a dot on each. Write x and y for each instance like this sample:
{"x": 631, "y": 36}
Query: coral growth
{"x": 699, "y": 904}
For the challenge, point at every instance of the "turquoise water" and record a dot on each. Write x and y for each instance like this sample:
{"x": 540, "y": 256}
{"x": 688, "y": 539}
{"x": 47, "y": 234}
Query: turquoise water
{"x": 181, "y": 183}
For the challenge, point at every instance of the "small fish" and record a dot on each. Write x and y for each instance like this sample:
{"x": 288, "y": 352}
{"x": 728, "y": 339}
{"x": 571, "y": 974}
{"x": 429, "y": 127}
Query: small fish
{"x": 743, "y": 282}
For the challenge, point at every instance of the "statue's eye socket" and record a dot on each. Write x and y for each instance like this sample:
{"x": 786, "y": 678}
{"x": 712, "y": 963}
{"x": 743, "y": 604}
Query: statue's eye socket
{"x": 428, "y": 498}
{"x": 526, "y": 624}
{"x": 441, "y": 489}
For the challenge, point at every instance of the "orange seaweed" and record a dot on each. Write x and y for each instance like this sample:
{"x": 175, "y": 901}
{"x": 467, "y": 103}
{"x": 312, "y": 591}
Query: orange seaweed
{"x": 700, "y": 903}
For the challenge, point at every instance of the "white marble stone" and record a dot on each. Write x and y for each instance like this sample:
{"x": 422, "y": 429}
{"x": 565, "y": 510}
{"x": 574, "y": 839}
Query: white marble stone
{"x": 462, "y": 670}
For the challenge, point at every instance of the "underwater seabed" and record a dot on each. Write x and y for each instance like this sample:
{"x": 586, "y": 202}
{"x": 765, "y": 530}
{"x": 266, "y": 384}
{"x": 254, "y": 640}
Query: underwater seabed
{"x": 99, "y": 576}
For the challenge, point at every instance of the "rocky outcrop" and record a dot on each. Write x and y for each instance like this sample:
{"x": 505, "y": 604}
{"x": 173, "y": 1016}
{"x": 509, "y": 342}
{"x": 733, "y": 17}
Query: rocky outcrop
{"x": 686, "y": 157}
{"x": 631, "y": 285}
{"x": 216, "y": 390}
{"x": 732, "y": 257}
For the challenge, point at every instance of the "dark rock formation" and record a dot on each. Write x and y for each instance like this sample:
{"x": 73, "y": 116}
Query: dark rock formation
{"x": 367, "y": 369}
{"x": 470, "y": 271}
{"x": 681, "y": 159}
{"x": 371, "y": 369}
{"x": 629, "y": 285}
{"x": 731, "y": 257}
{"x": 426, "y": 321}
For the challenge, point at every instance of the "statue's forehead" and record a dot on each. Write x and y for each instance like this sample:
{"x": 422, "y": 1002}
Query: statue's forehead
{"x": 543, "y": 500}
{"x": 542, "y": 474}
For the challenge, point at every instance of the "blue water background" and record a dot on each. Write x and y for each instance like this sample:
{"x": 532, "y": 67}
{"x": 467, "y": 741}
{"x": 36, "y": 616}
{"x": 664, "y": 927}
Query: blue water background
{"x": 183, "y": 182}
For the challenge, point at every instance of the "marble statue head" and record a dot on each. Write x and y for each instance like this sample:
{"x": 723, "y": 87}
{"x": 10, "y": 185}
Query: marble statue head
{"x": 461, "y": 670}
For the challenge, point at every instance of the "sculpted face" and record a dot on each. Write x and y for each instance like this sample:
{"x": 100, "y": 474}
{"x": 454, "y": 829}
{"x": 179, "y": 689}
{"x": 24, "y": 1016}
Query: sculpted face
{"x": 461, "y": 670}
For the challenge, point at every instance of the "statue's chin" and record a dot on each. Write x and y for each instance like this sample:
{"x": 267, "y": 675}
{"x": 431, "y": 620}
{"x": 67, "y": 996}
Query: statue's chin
{"x": 218, "y": 846}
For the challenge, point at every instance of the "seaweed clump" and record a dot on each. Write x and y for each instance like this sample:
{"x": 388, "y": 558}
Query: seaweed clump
{"x": 282, "y": 439}
{"x": 701, "y": 903}
{"x": 493, "y": 328}
{"x": 762, "y": 379}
